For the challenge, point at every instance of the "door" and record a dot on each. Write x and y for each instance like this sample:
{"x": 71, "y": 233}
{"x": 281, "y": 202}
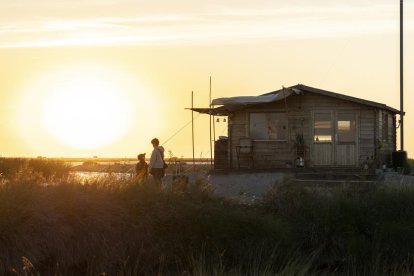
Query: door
{"x": 345, "y": 138}
{"x": 334, "y": 138}
{"x": 323, "y": 132}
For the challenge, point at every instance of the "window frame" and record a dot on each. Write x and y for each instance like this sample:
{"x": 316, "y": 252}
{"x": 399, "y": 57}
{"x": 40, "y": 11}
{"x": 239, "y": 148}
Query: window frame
{"x": 352, "y": 130}
{"x": 267, "y": 112}
{"x": 331, "y": 127}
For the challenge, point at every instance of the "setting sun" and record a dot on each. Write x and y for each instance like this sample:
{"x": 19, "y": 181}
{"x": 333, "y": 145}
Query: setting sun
{"x": 86, "y": 110}
{"x": 83, "y": 106}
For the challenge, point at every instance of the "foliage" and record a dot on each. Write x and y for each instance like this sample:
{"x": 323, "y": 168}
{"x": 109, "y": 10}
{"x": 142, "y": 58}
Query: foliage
{"x": 359, "y": 228}
{"x": 41, "y": 167}
{"x": 126, "y": 227}
{"x": 299, "y": 140}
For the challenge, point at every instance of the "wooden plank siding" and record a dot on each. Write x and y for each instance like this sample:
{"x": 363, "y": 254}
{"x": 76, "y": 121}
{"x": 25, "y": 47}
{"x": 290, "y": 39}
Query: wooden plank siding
{"x": 299, "y": 110}
{"x": 237, "y": 130}
{"x": 322, "y": 154}
{"x": 367, "y": 127}
{"x": 271, "y": 154}
{"x": 348, "y": 152}
{"x": 386, "y": 145}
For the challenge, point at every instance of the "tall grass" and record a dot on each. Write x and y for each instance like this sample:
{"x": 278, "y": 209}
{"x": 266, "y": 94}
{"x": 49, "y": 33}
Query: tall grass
{"x": 129, "y": 228}
{"x": 39, "y": 167}
{"x": 126, "y": 227}
{"x": 368, "y": 230}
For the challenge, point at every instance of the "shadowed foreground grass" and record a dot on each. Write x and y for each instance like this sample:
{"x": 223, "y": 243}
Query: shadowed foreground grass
{"x": 130, "y": 228}
{"x": 127, "y": 228}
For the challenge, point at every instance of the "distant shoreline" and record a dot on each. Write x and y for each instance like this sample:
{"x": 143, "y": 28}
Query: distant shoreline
{"x": 109, "y": 159}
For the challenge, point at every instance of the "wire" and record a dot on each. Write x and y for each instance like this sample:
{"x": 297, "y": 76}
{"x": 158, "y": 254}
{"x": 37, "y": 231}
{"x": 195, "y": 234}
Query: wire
{"x": 339, "y": 54}
{"x": 183, "y": 127}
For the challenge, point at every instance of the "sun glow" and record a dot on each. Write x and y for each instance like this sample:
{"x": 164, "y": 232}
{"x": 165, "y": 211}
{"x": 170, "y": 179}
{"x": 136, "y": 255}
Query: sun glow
{"x": 82, "y": 106}
{"x": 86, "y": 111}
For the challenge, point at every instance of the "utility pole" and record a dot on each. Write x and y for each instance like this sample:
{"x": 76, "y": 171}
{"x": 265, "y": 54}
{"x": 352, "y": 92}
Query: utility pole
{"x": 401, "y": 78}
{"x": 192, "y": 126}
{"x": 211, "y": 147}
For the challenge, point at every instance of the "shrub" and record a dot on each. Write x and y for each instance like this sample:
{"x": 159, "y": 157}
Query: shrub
{"x": 26, "y": 168}
{"x": 350, "y": 229}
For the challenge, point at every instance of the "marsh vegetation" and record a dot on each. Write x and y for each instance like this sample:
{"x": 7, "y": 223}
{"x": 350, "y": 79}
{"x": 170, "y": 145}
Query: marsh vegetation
{"x": 50, "y": 223}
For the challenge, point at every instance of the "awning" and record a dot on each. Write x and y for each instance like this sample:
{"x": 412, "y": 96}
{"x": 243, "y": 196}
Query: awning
{"x": 218, "y": 111}
{"x": 231, "y": 104}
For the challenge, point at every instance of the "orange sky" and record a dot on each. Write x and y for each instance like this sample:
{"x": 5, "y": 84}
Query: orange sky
{"x": 148, "y": 57}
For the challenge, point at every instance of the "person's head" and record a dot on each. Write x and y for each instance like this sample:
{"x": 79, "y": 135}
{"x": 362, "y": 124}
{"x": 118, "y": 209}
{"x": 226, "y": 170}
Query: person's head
{"x": 155, "y": 142}
{"x": 141, "y": 157}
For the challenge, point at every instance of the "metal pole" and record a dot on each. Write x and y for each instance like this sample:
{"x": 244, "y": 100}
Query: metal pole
{"x": 214, "y": 127}
{"x": 401, "y": 78}
{"x": 214, "y": 119}
{"x": 192, "y": 126}
{"x": 211, "y": 147}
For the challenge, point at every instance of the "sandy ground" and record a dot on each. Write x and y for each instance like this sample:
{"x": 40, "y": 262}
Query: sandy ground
{"x": 244, "y": 188}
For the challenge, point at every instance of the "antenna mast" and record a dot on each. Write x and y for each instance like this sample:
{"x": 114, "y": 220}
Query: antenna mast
{"x": 401, "y": 78}
{"x": 192, "y": 125}
{"x": 211, "y": 147}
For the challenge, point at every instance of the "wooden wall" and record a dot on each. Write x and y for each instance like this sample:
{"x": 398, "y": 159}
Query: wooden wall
{"x": 300, "y": 108}
{"x": 367, "y": 135}
{"x": 386, "y": 145}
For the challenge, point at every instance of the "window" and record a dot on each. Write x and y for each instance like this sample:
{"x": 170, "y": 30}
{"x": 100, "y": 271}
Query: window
{"x": 322, "y": 127}
{"x": 346, "y": 127}
{"x": 268, "y": 126}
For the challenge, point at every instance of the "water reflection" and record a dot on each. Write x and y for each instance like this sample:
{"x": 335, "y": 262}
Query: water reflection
{"x": 89, "y": 176}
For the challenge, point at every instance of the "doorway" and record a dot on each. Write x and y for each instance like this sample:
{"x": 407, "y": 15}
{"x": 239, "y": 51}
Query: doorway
{"x": 334, "y": 138}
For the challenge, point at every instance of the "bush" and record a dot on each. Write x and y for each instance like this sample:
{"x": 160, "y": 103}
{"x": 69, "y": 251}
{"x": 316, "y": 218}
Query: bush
{"x": 26, "y": 168}
{"x": 350, "y": 230}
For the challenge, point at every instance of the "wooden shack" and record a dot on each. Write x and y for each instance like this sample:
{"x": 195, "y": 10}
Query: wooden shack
{"x": 304, "y": 126}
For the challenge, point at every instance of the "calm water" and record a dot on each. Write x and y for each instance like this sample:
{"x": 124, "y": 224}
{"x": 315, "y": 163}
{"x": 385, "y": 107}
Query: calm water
{"x": 93, "y": 175}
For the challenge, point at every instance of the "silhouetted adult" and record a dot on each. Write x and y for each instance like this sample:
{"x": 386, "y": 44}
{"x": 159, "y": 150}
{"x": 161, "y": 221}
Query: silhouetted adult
{"x": 156, "y": 164}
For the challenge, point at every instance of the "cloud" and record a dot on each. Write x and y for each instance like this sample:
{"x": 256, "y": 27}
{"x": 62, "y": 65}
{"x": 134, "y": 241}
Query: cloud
{"x": 219, "y": 23}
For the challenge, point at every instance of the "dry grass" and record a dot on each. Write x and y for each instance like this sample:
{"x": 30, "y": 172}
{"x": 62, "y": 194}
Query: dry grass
{"x": 52, "y": 225}
{"x": 125, "y": 227}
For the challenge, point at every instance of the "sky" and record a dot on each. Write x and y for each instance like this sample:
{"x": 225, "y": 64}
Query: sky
{"x": 140, "y": 60}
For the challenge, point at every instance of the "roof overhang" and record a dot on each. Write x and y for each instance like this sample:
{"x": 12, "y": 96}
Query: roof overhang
{"x": 308, "y": 89}
{"x": 231, "y": 104}
{"x": 252, "y": 100}
{"x": 218, "y": 111}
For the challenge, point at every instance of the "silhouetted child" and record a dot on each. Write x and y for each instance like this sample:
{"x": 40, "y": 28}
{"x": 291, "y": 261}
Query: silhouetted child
{"x": 141, "y": 168}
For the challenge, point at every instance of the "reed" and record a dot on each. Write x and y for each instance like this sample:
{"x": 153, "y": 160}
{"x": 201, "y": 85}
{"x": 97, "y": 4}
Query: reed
{"x": 127, "y": 227}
